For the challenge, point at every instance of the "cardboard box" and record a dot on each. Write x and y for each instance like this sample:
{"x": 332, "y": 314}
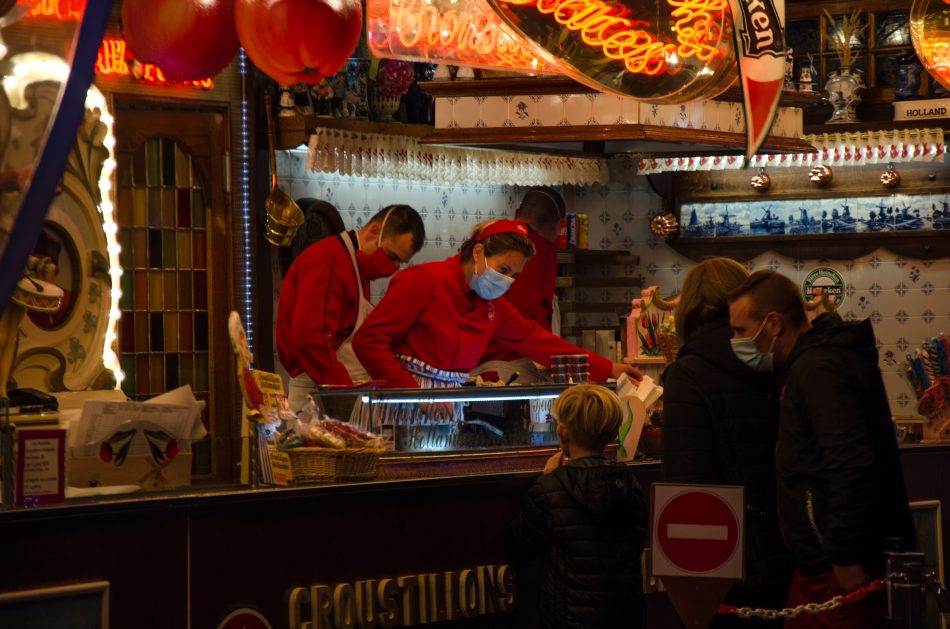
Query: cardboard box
{"x": 147, "y": 444}
{"x": 91, "y": 471}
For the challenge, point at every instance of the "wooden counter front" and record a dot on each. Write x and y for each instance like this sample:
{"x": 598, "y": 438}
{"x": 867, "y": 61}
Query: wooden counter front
{"x": 212, "y": 552}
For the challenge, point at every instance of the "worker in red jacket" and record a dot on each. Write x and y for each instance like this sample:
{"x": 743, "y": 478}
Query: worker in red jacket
{"x": 437, "y": 319}
{"x": 325, "y": 298}
{"x": 532, "y": 294}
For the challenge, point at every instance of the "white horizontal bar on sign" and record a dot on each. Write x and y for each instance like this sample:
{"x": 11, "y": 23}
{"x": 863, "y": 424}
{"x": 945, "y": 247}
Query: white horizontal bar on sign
{"x": 710, "y": 532}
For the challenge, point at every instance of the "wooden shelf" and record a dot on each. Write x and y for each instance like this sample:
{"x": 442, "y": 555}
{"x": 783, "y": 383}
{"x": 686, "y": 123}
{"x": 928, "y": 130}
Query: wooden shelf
{"x": 576, "y": 306}
{"x": 597, "y": 256}
{"x": 559, "y": 85}
{"x": 878, "y": 125}
{"x": 632, "y": 360}
{"x": 292, "y": 131}
{"x": 607, "y": 140}
{"x": 573, "y": 281}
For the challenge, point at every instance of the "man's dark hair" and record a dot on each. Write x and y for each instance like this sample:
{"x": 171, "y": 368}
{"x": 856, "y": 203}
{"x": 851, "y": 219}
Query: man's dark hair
{"x": 541, "y": 206}
{"x": 402, "y": 220}
{"x": 769, "y": 291}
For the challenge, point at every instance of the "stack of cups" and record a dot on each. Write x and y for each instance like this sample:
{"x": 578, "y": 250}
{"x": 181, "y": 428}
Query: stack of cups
{"x": 561, "y": 369}
{"x": 578, "y": 369}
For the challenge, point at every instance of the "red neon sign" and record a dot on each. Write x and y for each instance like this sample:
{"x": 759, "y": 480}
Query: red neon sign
{"x": 459, "y": 31}
{"x": 114, "y": 59}
{"x": 63, "y": 10}
{"x": 602, "y": 25}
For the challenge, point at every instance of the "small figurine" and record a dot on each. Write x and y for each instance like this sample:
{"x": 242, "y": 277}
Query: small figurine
{"x": 321, "y": 95}
{"x": 789, "y": 70}
{"x": 344, "y": 100}
{"x": 285, "y": 104}
{"x": 909, "y": 70}
{"x": 806, "y": 79}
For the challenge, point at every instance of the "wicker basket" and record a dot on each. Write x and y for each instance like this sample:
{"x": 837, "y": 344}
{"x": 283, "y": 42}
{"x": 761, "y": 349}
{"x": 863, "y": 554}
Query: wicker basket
{"x": 327, "y": 465}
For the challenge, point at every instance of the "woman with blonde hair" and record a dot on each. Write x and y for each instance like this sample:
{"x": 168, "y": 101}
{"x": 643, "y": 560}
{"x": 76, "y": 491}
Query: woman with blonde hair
{"x": 720, "y": 426}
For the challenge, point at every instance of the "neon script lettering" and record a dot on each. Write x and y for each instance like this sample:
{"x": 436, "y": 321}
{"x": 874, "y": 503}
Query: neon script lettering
{"x": 423, "y": 28}
{"x": 64, "y": 10}
{"x": 696, "y": 27}
{"x": 113, "y": 59}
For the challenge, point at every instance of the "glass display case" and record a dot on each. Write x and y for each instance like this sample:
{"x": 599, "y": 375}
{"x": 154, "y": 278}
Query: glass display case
{"x": 446, "y": 420}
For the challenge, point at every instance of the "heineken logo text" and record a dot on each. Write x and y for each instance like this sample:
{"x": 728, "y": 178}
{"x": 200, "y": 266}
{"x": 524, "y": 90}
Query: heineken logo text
{"x": 763, "y": 29}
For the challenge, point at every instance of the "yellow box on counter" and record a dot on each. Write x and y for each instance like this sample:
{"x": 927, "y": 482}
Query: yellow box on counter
{"x": 141, "y": 470}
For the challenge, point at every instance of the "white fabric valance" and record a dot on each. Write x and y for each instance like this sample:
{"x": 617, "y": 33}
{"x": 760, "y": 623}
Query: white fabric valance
{"x": 834, "y": 149}
{"x": 403, "y": 158}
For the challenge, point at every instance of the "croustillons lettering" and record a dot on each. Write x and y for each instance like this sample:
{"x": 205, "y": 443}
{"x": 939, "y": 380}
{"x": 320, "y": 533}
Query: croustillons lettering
{"x": 406, "y": 601}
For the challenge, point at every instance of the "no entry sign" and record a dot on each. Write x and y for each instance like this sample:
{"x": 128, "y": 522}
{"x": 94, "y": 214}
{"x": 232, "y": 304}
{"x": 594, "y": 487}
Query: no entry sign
{"x": 698, "y": 530}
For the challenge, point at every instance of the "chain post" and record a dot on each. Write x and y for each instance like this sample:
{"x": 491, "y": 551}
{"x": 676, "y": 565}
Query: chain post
{"x": 905, "y": 589}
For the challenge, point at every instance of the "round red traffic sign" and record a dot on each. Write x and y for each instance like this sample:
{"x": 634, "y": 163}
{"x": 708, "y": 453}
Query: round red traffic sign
{"x": 697, "y": 531}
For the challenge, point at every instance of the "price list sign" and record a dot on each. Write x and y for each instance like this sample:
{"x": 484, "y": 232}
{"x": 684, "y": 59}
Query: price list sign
{"x": 40, "y": 466}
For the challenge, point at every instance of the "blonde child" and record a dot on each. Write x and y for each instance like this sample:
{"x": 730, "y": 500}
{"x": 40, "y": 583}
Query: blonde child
{"x": 586, "y": 517}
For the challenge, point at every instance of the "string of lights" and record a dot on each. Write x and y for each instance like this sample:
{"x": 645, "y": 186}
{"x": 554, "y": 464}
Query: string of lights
{"x": 245, "y": 280}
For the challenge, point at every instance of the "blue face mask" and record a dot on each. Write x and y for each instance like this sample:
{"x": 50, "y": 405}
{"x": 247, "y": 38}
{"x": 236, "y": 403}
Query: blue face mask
{"x": 746, "y": 351}
{"x": 491, "y": 284}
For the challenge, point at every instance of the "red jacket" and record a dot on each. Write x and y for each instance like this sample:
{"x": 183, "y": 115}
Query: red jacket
{"x": 532, "y": 294}
{"x": 319, "y": 302}
{"x": 430, "y": 313}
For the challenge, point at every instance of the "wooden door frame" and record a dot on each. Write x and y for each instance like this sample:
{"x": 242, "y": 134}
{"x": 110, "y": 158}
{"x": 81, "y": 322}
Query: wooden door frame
{"x": 223, "y": 417}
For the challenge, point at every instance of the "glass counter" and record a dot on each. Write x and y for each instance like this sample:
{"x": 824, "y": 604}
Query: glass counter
{"x": 454, "y": 419}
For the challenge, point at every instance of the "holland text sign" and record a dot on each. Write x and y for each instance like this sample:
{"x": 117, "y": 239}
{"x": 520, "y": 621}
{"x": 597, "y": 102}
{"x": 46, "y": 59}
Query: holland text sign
{"x": 697, "y": 530}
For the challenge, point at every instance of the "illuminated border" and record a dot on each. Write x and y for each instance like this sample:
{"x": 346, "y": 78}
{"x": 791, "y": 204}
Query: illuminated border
{"x": 245, "y": 276}
{"x": 461, "y": 398}
{"x": 33, "y": 67}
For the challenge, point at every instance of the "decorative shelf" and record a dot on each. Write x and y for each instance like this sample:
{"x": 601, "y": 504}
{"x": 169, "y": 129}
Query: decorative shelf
{"x": 632, "y": 360}
{"x": 547, "y": 85}
{"x": 609, "y": 140}
{"x": 576, "y": 306}
{"x": 877, "y": 125}
{"x": 294, "y": 131}
{"x": 571, "y": 281}
{"x": 595, "y": 256}
{"x": 921, "y": 245}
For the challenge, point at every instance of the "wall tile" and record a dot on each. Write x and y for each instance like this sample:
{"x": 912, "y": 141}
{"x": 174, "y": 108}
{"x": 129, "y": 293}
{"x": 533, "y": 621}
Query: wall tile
{"x": 494, "y": 111}
{"x": 578, "y": 109}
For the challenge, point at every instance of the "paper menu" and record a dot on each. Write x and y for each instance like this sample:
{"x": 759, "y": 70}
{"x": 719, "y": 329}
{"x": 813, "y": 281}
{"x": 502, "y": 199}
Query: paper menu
{"x": 636, "y": 399}
{"x": 100, "y": 420}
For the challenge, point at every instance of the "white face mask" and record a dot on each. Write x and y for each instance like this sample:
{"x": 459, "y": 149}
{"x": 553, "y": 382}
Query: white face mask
{"x": 746, "y": 351}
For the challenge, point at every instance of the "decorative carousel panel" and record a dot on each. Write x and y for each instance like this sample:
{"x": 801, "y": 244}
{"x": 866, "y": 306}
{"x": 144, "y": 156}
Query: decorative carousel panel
{"x": 63, "y": 347}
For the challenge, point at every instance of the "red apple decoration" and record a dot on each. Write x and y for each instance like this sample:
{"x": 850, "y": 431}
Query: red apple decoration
{"x": 188, "y": 40}
{"x": 295, "y": 41}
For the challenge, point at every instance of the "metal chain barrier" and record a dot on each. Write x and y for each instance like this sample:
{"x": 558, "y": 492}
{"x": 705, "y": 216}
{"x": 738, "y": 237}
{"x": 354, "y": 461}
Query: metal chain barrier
{"x": 809, "y": 608}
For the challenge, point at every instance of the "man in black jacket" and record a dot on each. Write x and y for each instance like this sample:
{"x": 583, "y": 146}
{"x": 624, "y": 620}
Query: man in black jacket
{"x": 841, "y": 491}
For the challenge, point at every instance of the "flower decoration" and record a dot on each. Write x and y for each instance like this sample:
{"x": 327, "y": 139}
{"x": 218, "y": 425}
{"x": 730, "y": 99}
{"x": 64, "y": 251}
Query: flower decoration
{"x": 394, "y": 78}
{"x": 845, "y": 37}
